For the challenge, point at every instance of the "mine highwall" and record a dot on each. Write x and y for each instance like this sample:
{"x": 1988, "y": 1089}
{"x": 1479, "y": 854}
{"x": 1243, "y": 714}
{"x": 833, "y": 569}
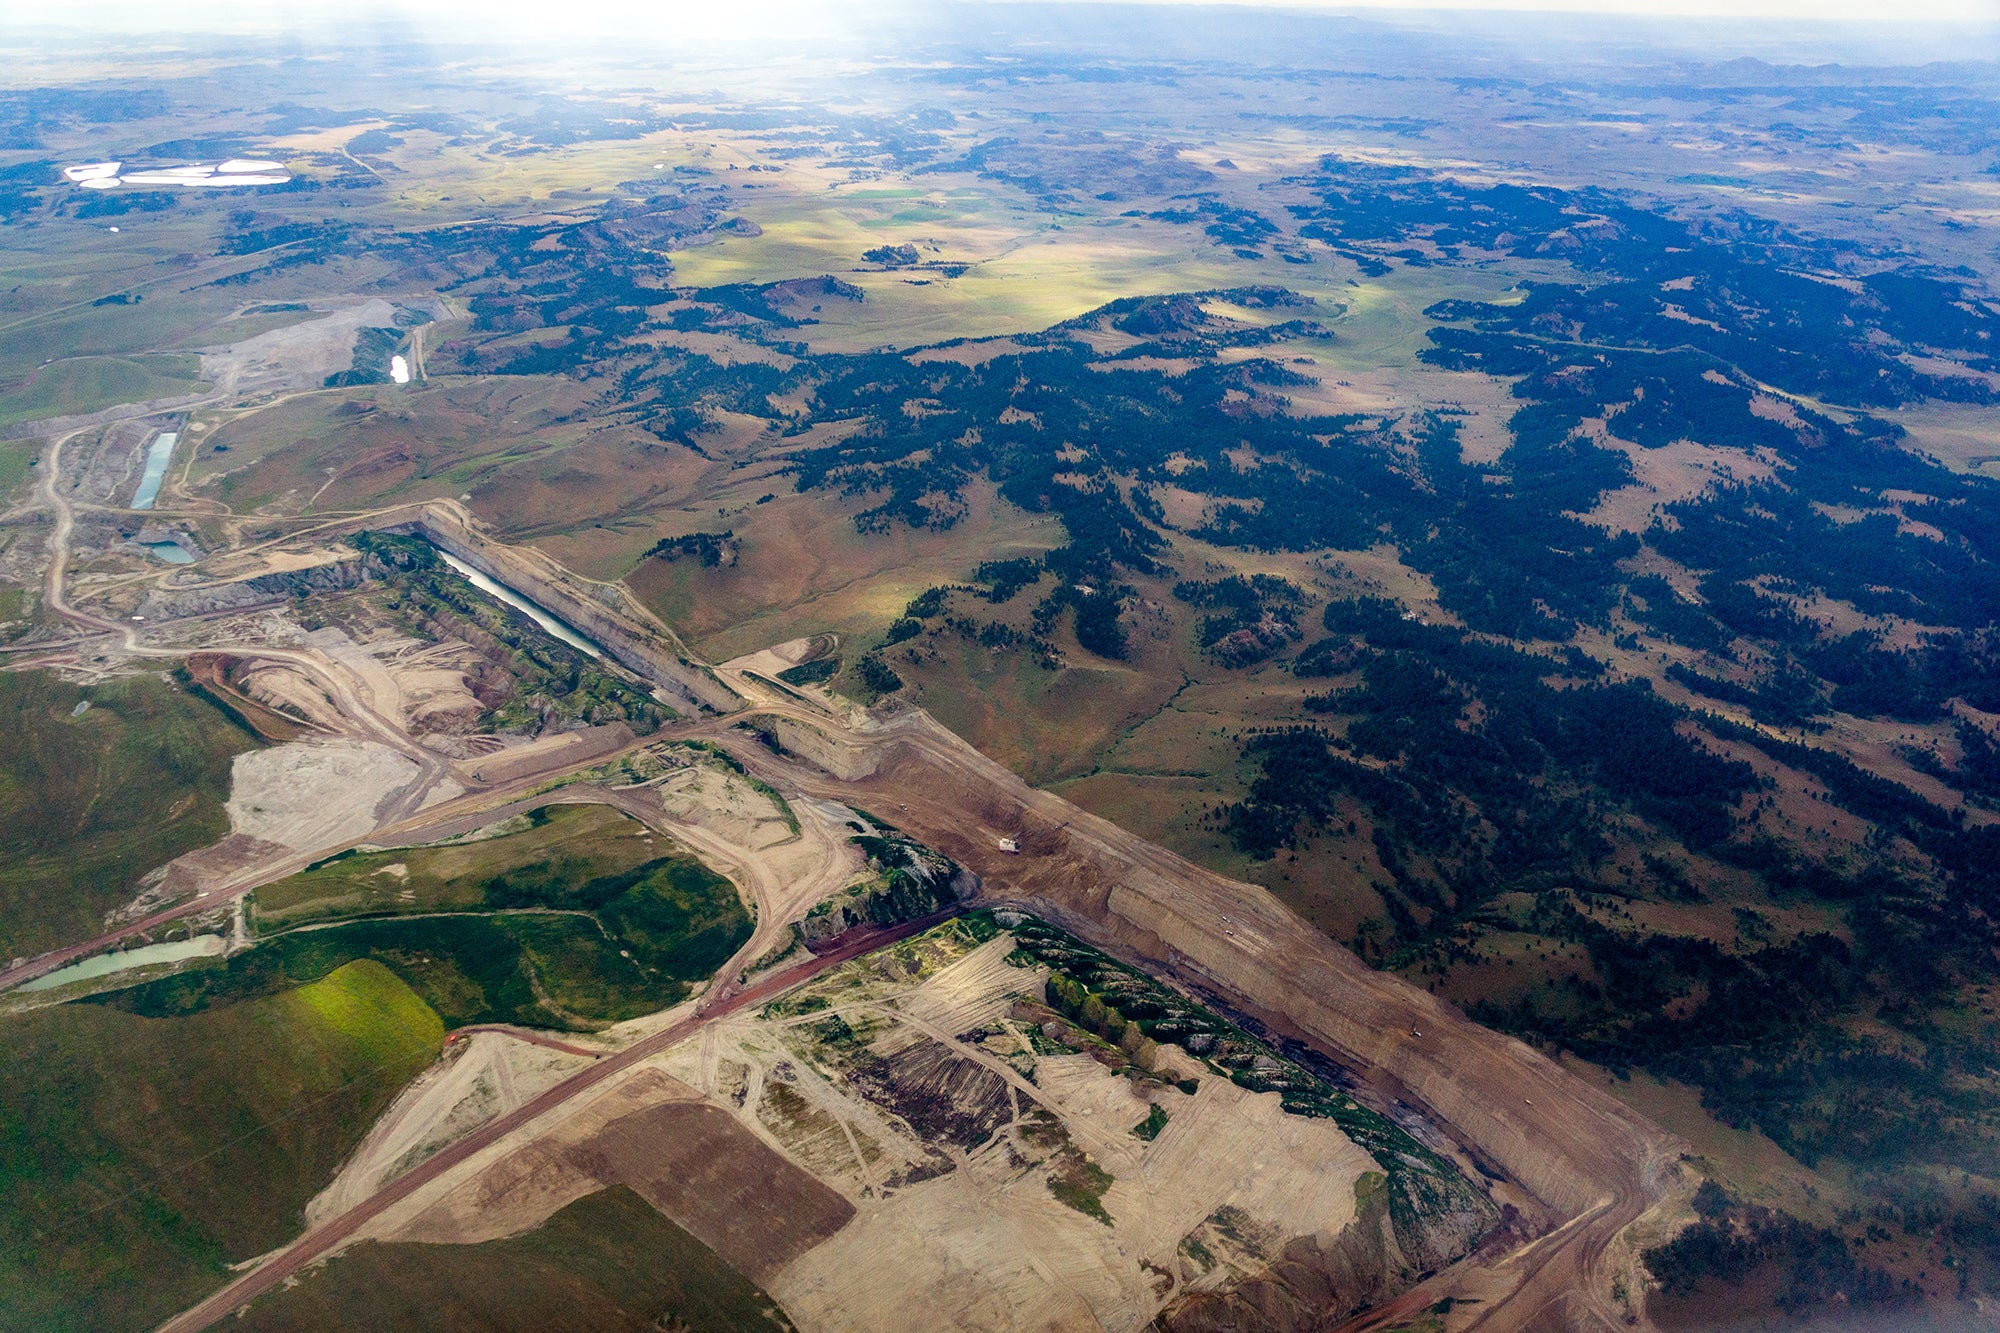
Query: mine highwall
{"x": 621, "y": 631}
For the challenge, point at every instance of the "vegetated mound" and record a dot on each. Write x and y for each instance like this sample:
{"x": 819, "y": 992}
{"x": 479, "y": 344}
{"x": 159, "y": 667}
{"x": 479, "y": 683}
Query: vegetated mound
{"x": 1173, "y": 314}
{"x": 568, "y": 922}
{"x": 907, "y": 880}
{"x": 99, "y": 785}
{"x": 556, "y": 848}
{"x": 816, "y": 672}
{"x": 1179, "y": 321}
{"x": 787, "y": 304}
{"x": 607, "y": 1262}
{"x": 139, "y": 1156}
{"x": 892, "y": 256}
{"x": 658, "y": 223}
{"x": 1060, "y": 168}
{"x": 1736, "y": 1254}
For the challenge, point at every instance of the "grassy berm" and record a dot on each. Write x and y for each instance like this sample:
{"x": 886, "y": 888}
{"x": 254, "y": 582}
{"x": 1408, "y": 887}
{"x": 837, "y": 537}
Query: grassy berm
{"x": 608, "y": 1262}
{"x": 569, "y": 920}
{"x": 139, "y": 1156}
{"x": 92, "y": 800}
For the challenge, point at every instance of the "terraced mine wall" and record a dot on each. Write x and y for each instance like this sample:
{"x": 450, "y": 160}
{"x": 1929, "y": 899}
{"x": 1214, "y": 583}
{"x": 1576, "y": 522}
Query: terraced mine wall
{"x": 261, "y": 590}
{"x": 623, "y": 635}
{"x": 1573, "y": 1147}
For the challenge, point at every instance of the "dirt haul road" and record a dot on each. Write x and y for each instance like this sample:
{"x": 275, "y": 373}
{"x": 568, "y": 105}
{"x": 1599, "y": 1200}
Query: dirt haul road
{"x": 324, "y": 1240}
{"x": 1595, "y": 1164}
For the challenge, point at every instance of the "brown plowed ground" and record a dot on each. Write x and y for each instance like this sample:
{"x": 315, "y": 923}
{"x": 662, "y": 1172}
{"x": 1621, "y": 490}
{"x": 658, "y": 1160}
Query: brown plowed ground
{"x": 699, "y": 1166}
{"x": 694, "y": 1162}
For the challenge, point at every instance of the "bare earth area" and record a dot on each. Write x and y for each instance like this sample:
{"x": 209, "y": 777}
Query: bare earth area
{"x": 948, "y": 1172}
{"x": 484, "y": 1075}
{"x": 315, "y": 793}
{"x": 999, "y": 1165}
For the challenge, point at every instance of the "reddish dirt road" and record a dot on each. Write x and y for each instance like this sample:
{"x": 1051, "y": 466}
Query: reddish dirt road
{"x": 529, "y": 1035}
{"x": 322, "y": 1240}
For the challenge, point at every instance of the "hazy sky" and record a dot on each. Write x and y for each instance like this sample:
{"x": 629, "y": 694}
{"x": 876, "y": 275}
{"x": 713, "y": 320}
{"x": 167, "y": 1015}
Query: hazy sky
{"x": 701, "y": 13}
{"x": 1839, "y": 10}
{"x": 1846, "y": 31}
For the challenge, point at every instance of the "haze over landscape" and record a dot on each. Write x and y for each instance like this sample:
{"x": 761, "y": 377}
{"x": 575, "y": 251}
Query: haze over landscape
{"x": 1000, "y": 666}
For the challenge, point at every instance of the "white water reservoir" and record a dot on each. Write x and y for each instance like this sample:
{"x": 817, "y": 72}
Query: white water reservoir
{"x": 502, "y": 593}
{"x": 157, "y": 459}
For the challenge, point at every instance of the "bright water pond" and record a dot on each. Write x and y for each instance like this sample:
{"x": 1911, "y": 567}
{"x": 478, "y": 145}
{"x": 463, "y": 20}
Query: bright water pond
{"x": 157, "y": 459}
{"x": 501, "y": 592}
{"x": 119, "y": 960}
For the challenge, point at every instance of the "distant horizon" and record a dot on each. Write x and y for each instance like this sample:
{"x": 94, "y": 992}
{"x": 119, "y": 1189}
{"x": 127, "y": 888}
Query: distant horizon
{"x": 686, "y": 16}
{"x": 1974, "y": 12}
{"x": 770, "y": 35}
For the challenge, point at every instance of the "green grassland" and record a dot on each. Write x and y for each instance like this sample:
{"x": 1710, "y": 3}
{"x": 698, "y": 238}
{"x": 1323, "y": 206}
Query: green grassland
{"x": 571, "y": 844}
{"x": 163, "y": 320}
{"x": 91, "y": 801}
{"x": 85, "y": 384}
{"x": 535, "y": 970}
{"x": 139, "y": 1156}
{"x": 571, "y": 922}
{"x": 606, "y": 1263}
{"x": 17, "y": 460}
{"x": 52, "y": 313}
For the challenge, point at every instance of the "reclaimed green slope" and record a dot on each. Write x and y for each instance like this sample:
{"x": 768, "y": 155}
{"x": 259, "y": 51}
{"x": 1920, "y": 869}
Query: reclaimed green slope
{"x": 90, "y": 801}
{"x": 569, "y": 920}
{"x": 140, "y": 1156}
